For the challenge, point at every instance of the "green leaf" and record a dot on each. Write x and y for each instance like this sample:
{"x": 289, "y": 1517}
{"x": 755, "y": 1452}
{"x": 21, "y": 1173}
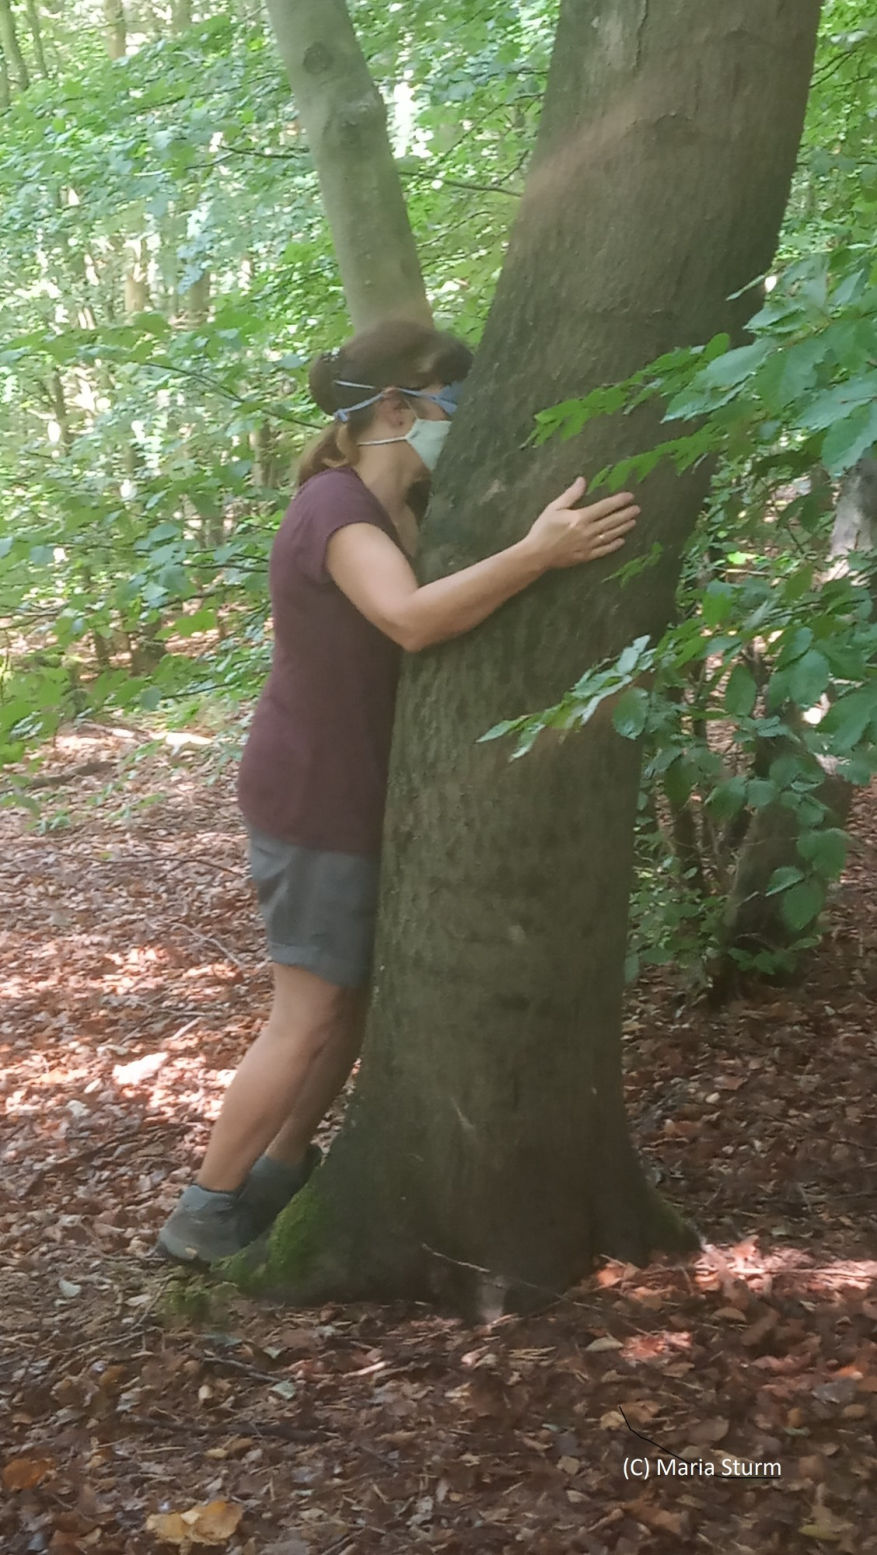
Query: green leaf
{"x": 849, "y": 717}
{"x": 761, "y": 792}
{"x": 734, "y": 367}
{"x": 849, "y": 439}
{"x": 717, "y": 603}
{"x": 785, "y": 769}
{"x": 839, "y": 402}
{"x": 784, "y": 877}
{"x": 678, "y": 779}
{"x": 496, "y": 731}
{"x": 809, "y": 677}
{"x": 630, "y": 656}
{"x": 826, "y": 850}
{"x": 802, "y": 903}
{"x": 726, "y": 800}
{"x": 740, "y": 692}
{"x": 794, "y": 646}
{"x": 631, "y": 711}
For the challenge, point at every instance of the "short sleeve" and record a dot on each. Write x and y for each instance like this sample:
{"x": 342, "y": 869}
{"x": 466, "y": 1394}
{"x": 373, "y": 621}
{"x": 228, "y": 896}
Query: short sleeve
{"x": 329, "y": 502}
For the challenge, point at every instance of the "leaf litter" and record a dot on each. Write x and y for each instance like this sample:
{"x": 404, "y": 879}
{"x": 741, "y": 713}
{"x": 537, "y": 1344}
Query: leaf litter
{"x": 143, "y": 1415}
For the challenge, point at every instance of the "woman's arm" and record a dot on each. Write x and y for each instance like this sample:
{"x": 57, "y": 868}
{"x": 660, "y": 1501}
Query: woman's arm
{"x": 371, "y": 570}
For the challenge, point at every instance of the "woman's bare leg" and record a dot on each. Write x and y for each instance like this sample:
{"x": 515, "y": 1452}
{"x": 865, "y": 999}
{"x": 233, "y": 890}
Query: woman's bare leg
{"x": 288, "y": 1078}
{"x": 324, "y": 1080}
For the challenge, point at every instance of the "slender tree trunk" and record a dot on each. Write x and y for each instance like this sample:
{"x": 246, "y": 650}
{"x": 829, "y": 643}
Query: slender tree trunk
{"x": 485, "y": 1159}
{"x": 5, "y": 88}
{"x": 11, "y": 46}
{"x": 117, "y": 37}
{"x": 181, "y": 15}
{"x": 855, "y": 521}
{"x": 136, "y": 282}
{"x": 36, "y": 33}
{"x": 346, "y": 124}
{"x": 198, "y": 299}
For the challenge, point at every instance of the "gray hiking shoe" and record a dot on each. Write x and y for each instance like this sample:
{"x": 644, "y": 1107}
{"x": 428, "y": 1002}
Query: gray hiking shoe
{"x": 206, "y": 1226}
{"x": 270, "y": 1186}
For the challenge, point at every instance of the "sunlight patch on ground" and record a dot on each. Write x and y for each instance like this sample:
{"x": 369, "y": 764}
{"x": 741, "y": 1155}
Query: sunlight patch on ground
{"x": 757, "y": 1267}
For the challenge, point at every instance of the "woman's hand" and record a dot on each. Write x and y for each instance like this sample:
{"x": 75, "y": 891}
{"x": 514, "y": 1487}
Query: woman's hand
{"x": 564, "y": 535}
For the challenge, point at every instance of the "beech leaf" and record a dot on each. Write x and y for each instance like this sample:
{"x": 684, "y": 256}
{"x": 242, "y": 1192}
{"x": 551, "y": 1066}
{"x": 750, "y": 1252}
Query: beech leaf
{"x": 213, "y": 1523}
{"x": 24, "y": 1473}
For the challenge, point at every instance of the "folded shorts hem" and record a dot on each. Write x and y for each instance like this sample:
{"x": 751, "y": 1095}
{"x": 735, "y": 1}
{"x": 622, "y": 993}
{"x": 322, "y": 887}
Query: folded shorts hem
{"x": 322, "y": 963}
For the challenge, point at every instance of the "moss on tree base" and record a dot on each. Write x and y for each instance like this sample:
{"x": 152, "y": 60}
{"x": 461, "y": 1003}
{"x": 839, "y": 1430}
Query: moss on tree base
{"x": 301, "y": 1260}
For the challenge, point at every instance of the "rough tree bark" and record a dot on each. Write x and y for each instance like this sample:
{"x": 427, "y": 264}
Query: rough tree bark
{"x": 485, "y": 1158}
{"x": 345, "y": 120}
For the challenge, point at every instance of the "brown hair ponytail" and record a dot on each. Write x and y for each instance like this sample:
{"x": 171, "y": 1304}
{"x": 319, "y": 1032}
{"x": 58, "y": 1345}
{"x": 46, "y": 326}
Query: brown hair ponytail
{"x": 332, "y": 449}
{"x": 397, "y": 353}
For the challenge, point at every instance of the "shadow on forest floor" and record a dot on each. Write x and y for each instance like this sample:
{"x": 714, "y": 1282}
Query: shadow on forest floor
{"x": 131, "y": 980}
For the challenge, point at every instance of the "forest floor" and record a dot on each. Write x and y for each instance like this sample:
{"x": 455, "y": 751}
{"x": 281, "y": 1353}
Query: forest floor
{"x": 140, "y": 1416}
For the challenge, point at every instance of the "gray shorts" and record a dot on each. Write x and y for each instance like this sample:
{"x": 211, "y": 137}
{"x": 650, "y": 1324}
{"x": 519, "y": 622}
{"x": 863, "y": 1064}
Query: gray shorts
{"x": 318, "y": 908}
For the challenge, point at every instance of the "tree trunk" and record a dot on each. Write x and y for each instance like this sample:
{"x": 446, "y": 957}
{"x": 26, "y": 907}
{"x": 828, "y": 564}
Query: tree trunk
{"x": 136, "y": 281}
{"x": 485, "y": 1159}
{"x": 855, "y": 520}
{"x": 11, "y": 46}
{"x": 198, "y": 300}
{"x": 117, "y": 37}
{"x": 181, "y": 15}
{"x": 5, "y": 88}
{"x": 346, "y": 124}
{"x": 36, "y": 33}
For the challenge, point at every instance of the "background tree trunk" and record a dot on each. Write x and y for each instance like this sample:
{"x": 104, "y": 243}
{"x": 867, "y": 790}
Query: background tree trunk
{"x": 485, "y": 1159}
{"x": 5, "y": 87}
{"x": 346, "y": 124}
{"x": 117, "y": 37}
{"x": 36, "y": 33}
{"x": 11, "y": 47}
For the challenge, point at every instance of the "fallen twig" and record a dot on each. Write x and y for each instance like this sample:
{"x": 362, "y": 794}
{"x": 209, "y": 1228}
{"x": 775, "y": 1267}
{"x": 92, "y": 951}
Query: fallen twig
{"x": 57, "y": 779}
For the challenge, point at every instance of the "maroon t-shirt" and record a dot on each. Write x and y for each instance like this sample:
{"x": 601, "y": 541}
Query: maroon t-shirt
{"x": 314, "y": 768}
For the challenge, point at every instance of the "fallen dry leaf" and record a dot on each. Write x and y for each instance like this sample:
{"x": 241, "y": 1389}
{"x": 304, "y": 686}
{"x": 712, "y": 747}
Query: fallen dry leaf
{"x": 706, "y": 1432}
{"x": 812, "y": 1466}
{"x": 829, "y": 1532}
{"x": 640, "y": 1411}
{"x": 655, "y": 1516}
{"x": 759, "y": 1329}
{"x": 25, "y": 1473}
{"x": 730, "y": 1315}
{"x": 212, "y": 1523}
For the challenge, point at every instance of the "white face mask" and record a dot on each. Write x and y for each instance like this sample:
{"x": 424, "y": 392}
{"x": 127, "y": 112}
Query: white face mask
{"x": 427, "y": 438}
